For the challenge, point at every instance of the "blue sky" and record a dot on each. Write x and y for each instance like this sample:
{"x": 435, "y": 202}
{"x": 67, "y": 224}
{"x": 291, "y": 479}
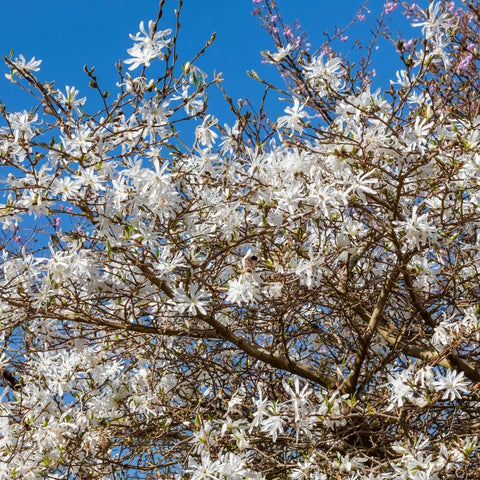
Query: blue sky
{"x": 68, "y": 34}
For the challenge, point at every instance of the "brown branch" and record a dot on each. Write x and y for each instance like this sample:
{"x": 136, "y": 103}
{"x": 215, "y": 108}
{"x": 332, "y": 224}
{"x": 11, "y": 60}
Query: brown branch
{"x": 350, "y": 384}
{"x": 453, "y": 360}
{"x": 275, "y": 360}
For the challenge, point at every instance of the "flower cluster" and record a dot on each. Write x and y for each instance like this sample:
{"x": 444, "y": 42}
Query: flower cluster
{"x": 148, "y": 45}
{"x": 294, "y": 297}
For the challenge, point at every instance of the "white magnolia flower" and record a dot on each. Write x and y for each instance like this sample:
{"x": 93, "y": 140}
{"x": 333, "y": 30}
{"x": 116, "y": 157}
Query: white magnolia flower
{"x": 453, "y": 384}
{"x": 242, "y": 289}
{"x": 435, "y": 21}
{"x": 204, "y": 133}
{"x": 281, "y": 53}
{"x": 324, "y": 75}
{"x": 22, "y": 124}
{"x": 294, "y": 117}
{"x": 193, "y": 302}
{"x": 31, "y": 66}
{"x": 400, "y": 388}
{"x": 149, "y": 45}
{"x": 70, "y": 99}
{"x": 416, "y": 230}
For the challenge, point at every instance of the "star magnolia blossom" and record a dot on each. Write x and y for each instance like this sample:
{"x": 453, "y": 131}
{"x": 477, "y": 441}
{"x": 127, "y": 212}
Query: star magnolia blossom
{"x": 282, "y": 297}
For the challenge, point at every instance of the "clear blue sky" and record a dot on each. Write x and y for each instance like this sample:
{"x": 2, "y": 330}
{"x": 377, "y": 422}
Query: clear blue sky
{"x": 68, "y": 34}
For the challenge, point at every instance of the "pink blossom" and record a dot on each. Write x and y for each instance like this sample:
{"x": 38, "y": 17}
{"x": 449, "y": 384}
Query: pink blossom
{"x": 408, "y": 45}
{"x": 463, "y": 65}
{"x": 405, "y": 46}
{"x": 389, "y": 7}
{"x": 326, "y": 50}
{"x": 410, "y": 10}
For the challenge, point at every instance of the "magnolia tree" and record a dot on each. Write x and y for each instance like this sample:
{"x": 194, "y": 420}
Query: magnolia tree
{"x": 294, "y": 296}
